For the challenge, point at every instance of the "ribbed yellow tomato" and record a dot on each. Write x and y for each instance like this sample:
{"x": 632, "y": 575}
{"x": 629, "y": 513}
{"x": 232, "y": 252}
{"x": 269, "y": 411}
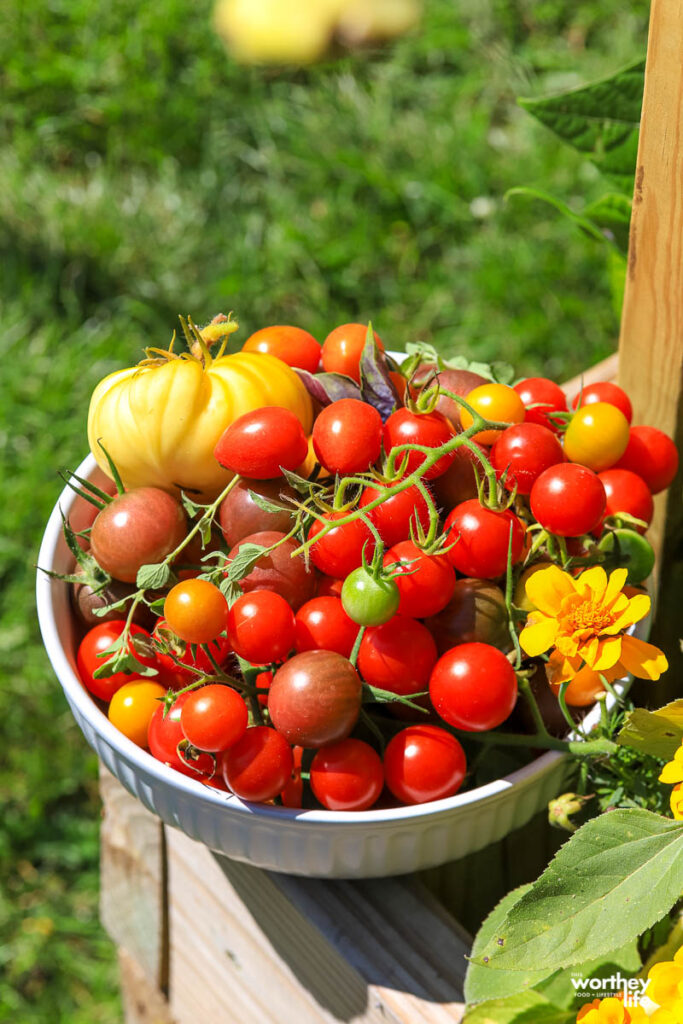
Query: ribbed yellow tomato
{"x": 160, "y": 420}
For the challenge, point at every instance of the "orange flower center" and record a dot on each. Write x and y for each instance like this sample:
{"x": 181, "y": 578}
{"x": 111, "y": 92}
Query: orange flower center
{"x": 589, "y": 616}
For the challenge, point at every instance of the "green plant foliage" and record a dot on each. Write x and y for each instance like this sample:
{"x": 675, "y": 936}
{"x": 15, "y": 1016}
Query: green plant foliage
{"x": 601, "y": 120}
{"x": 614, "y": 878}
{"x": 525, "y": 1008}
{"x": 658, "y": 733}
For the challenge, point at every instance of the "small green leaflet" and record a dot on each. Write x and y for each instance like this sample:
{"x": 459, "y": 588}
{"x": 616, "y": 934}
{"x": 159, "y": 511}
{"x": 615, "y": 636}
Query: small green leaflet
{"x": 267, "y": 505}
{"x": 124, "y": 659}
{"x": 244, "y": 561}
{"x": 612, "y": 880}
{"x": 612, "y": 212}
{"x": 600, "y": 119}
{"x": 658, "y": 733}
{"x": 153, "y": 577}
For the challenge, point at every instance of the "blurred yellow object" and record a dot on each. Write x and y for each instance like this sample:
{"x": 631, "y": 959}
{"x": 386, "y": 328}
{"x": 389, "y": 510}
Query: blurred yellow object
{"x": 364, "y": 21}
{"x": 300, "y": 31}
{"x": 288, "y": 31}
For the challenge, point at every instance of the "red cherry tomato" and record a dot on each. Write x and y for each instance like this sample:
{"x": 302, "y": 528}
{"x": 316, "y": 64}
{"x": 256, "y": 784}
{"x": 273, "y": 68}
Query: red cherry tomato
{"x": 165, "y": 733}
{"x": 473, "y": 687}
{"x": 261, "y": 627}
{"x": 292, "y": 345}
{"x": 196, "y": 611}
{"x": 139, "y": 527}
{"x": 568, "y": 500}
{"x": 397, "y": 656}
{"x": 652, "y": 455}
{"x": 214, "y": 718}
{"x": 525, "y": 450}
{"x": 259, "y": 765}
{"x": 426, "y": 583}
{"x": 422, "y": 763}
{"x": 329, "y": 587}
{"x": 341, "y": 550}
{"x": 482, "y": 539}
{"x": 96, "y": 641}
{"x": 343, "y": 348}
{"x": 545, "y": 396}
{"x": 263, "y": 442}
{"x": 429, "y": 429}
{"x": 394, "y": 517}
{"x": 262, "y": 682}
{"x": 605, "y": 391}
{"x": 293, "y": 793}
{"x": 347, "y": 436}
{"x": 176, "y": 676}
{"x": 347, "y": 776}
{"x": 323, "y": 625}
{"x": 627, "y": 492}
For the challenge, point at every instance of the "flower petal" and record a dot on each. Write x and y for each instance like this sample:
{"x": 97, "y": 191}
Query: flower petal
{"x": 559, "y": 669}
{"x": 594, "y": 579}
{"x": 645, "y": 661}
{"x": 546, "y": 588}
{"x": 616, "y": 583}
{"x": 539, "y": 634}
{"x": 671, "y": 773}
{"x": 609, "y": 653}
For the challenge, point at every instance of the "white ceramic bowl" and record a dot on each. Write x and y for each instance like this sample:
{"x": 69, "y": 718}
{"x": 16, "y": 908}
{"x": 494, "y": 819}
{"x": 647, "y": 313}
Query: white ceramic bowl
{"x": 312, "y": 843}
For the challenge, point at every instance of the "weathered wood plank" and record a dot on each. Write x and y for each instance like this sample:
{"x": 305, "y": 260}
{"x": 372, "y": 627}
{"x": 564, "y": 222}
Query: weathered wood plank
{"x": 606, "y": 369}
{"x": 651, "y": 342}
{"x": 132, "y": 871}
{"x": 271, "y": 947}
{"x": 143, "y": 1003}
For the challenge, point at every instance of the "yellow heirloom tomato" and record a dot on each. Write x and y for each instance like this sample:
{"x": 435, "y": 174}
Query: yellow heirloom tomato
{"x": 160, "y": 420}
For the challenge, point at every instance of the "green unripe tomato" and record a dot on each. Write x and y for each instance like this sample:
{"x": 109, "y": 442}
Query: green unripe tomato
{"x": 627, "y": 549}
{"x": 369, "y": 601}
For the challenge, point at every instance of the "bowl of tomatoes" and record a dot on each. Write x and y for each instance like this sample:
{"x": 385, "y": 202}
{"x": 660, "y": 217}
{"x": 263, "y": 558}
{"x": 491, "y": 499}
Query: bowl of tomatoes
{"x": 294, "y": 633}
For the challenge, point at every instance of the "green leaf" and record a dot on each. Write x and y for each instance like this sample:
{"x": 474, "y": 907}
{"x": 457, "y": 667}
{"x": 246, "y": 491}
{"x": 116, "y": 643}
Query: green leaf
{"x": 190, "y": 506}
{"x": 614, "y": 878}
{"x": 578, "y": 219}
{"x": 612, "y": 212}
{"x": 267, "y": 505}
{"x": 524, "y": 1008}
{"x": 600, "y": 119}
{"x": 658, "y": 733}
{"x": 481, "y": 981}
{"x": 244, "y": 561}
{"x": 153, "y": 577}
{"x": 616, "y": 275}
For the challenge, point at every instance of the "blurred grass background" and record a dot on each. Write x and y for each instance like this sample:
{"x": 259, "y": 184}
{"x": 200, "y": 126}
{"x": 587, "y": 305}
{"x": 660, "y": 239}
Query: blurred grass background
{"x": 143, "y": 173}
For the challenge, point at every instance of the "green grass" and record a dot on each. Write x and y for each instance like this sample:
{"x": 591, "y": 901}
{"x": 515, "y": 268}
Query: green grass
{"x": 143, "y": 173}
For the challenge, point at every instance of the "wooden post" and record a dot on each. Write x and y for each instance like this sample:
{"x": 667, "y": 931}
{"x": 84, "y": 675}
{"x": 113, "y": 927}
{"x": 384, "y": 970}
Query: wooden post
{"x": 651, "y": 343}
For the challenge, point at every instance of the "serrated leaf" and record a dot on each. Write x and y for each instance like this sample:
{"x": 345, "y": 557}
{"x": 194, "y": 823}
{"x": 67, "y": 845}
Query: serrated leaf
{"x": 153, "y": 577}
{"x": 524, "y": 1008}
{"x": 241, "y": 564}
{"x": 600, "y": 120}
{"x": 266, "y": 504}
{"x": 658, "y": 733}
{"x": 614, "y": 878}
{"x": 157, "y": 606}
{"x": 190, "y": 506}
{"x": 328, "y": 387}
{"x": 230, "y": 590}
{"x": 425, "y": 351}
{"x": 376, "y": 387}
{"x": 502, "y": 372}
{"x": 300, "y": 483}
{"x": 481, "y": 981}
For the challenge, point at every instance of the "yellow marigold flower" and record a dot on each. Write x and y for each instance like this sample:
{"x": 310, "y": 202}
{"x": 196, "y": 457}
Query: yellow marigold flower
{"x": 584, "y": 620}
{"x": 666, "y": 983}
{"x": 673, "y": 770}
{"x": 604, "y": 1011}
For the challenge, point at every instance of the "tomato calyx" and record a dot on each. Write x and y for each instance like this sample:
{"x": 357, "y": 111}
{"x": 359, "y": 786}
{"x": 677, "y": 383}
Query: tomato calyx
{"x": 191, "y": 756}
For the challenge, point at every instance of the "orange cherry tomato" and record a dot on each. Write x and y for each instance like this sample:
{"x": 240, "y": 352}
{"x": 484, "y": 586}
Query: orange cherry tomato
{"x": 493, "y": 402}
{"x": 196, "y": 611}
{"x": 292, "y": 345}
{"x": 343, "y": 347}
{"x": 597, "y": 436}
{"x": 132, "y": 707}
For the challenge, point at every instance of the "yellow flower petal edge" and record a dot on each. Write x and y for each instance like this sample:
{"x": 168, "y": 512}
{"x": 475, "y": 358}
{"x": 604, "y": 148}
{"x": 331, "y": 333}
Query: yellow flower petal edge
{"x": 547, "y": 588}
